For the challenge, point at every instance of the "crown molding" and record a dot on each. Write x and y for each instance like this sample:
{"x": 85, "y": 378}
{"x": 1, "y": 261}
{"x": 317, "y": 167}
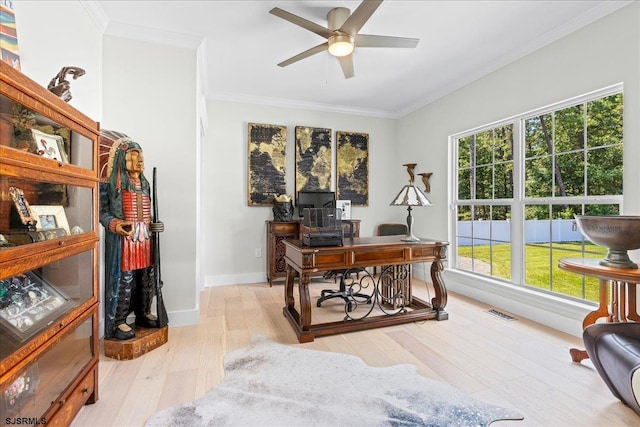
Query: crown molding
{"x": 96, "y": 13}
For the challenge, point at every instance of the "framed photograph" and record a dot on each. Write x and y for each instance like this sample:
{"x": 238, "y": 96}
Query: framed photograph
{"x": 267, "y": 163}
{"x": 352, "y": 170}
{"x": 24, "y": 213}
{"x": 50, "y": 217}
{"x": 345, "y": 205}
{"x": 313, "y": 159}
{"x": 50, "y": 146}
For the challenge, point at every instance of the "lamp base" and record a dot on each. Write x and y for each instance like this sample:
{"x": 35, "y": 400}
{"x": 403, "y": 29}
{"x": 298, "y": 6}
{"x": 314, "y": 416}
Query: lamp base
{"x": 410, "y": 239}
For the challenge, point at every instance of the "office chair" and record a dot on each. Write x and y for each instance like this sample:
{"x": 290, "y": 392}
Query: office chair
{"x": 614, "y": 349}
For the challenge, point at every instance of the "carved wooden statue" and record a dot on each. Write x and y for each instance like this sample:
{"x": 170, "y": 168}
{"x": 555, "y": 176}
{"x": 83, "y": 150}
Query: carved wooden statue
{"x": 125, "y": 213}
{"x": 60, "y": 86}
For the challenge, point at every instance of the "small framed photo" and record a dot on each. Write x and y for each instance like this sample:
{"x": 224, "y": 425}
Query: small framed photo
{"x": 25, "y": 213}
{"x": 50, "y": 217}
{"x": 345, "y": 205}
{"x": 50, "y": 146}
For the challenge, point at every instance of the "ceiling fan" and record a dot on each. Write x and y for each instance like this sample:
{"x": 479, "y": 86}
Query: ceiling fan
{"x": 342, "y": 34}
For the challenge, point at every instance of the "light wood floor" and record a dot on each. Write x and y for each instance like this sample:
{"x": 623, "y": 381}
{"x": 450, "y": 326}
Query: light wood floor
{"x": 519, "y": 364}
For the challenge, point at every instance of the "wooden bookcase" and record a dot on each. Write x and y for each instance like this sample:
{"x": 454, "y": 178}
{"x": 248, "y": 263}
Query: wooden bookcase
{"x": 277, "y": 232}
{"x": 48, "y": 254}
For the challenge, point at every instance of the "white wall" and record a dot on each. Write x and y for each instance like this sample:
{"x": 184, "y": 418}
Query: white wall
{"x": 55, "y": 34}
{"x": 233, "y": 230}
{"x": 601, "y": 54}
{"x": 150, "y": 95}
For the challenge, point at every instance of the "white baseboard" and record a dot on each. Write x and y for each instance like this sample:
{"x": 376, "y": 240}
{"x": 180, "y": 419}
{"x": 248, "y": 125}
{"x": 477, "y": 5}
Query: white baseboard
{"x": 234, "y": 279}
{"x": 184, "y": 317}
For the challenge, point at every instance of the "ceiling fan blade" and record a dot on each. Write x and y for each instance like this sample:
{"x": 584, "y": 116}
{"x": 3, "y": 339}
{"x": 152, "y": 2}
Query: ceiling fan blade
{"x": 367, "y": 40}
{"x": 307, "y": 53}
{"x": 360, "y": 16}
{"x": 346, "y": 63}
{"x": 307, "y": 25}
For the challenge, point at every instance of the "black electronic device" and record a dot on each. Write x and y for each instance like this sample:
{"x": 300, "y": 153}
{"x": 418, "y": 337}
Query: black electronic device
{"x": 315, "y": 200}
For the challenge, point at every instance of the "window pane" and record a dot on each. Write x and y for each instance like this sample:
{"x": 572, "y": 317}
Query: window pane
{"x": 503, "y": 143}
{"x": 484, "y": 182}
{"x": 484, "y": 148}
{"x": 539, "y": 177}
{"x": 604, "y": 171}
{"x": 464, "y": 184}
{"x": 537, "y": 137}
{"x": 604, "y": 121}
{"x": 464, "y": 152}
{"x": 569, "y": 174}
{"x": 602, "y": 210}
{"x": 569, "y": 129}
{"x": 503, "y": 181}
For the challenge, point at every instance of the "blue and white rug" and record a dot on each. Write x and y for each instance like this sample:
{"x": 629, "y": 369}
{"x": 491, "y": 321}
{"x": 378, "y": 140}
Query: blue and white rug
{"x": 270, "y": 384}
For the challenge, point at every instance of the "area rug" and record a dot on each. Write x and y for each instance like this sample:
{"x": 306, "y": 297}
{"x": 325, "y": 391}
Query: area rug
{"x": 270, "y": 384}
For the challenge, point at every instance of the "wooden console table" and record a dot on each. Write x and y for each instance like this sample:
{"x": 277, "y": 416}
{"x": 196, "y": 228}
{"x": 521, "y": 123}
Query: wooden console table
{"x": 621, "y": 307}
{"x": 304, "y": 262}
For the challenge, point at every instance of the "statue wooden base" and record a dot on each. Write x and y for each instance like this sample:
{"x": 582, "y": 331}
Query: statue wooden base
{"x": 144, "y": 341}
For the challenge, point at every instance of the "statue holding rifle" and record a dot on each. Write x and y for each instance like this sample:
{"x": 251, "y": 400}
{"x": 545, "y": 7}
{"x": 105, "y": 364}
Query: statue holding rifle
{"x": 131, "y": 243}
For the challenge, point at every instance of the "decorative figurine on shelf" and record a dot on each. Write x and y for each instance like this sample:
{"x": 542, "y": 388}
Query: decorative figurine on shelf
{"x": 282, "y": 208}
{"x": 125, "y": 212}
{"x": 60, "y": 86}
{"x": 425, "y": 180}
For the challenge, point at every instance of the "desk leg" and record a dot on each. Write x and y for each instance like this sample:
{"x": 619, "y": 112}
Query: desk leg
{"x": 305, "y": 302}
{"x": 439, "y": 301}
{"x": 288, "y": 288}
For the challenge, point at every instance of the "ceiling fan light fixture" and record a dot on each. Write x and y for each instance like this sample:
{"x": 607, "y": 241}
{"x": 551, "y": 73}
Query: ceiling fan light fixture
{"x": 341, "y": 45}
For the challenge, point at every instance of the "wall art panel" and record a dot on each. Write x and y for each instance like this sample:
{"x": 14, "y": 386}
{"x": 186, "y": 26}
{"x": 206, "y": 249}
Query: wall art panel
{"x": 267, "y": 163}
{"x": 352, "y": 170}
{"x": 313, "y": 159}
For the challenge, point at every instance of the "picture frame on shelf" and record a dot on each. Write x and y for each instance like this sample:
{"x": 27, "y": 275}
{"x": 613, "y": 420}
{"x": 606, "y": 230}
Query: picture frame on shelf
{"x": 24, "y": 213}
{"x": 345, "y": 206}
{"x": 50, "y": 217}
{"x": 50, "y": 146}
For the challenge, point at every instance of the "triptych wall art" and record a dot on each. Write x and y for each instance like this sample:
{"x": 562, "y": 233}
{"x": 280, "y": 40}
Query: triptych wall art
{"x": 313, "y": 163}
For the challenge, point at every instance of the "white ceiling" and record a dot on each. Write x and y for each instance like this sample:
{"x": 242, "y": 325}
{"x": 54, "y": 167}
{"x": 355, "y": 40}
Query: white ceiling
{"x": 460, "y": 41}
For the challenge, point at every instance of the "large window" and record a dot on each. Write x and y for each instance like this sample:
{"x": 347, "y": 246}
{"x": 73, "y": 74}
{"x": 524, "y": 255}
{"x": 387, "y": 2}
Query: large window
{"x": 520, "y": 183}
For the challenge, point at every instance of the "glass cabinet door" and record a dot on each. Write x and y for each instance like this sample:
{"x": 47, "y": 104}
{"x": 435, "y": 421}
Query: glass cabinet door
{"x": 33, "y": 211}
{"x": 33, "y": 300}
{"x": 38, "y": 387}
{"x": 25, "y": 130}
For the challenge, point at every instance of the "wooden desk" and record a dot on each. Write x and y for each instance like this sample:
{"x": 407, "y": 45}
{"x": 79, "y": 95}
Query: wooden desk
{"x": 622, "y": 282}
{"x": 303, "y": 262}
{"x": 277, "y": 232}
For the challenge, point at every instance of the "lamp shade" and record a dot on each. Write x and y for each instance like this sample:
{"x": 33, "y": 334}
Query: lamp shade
{"x": 410, "y": 195}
